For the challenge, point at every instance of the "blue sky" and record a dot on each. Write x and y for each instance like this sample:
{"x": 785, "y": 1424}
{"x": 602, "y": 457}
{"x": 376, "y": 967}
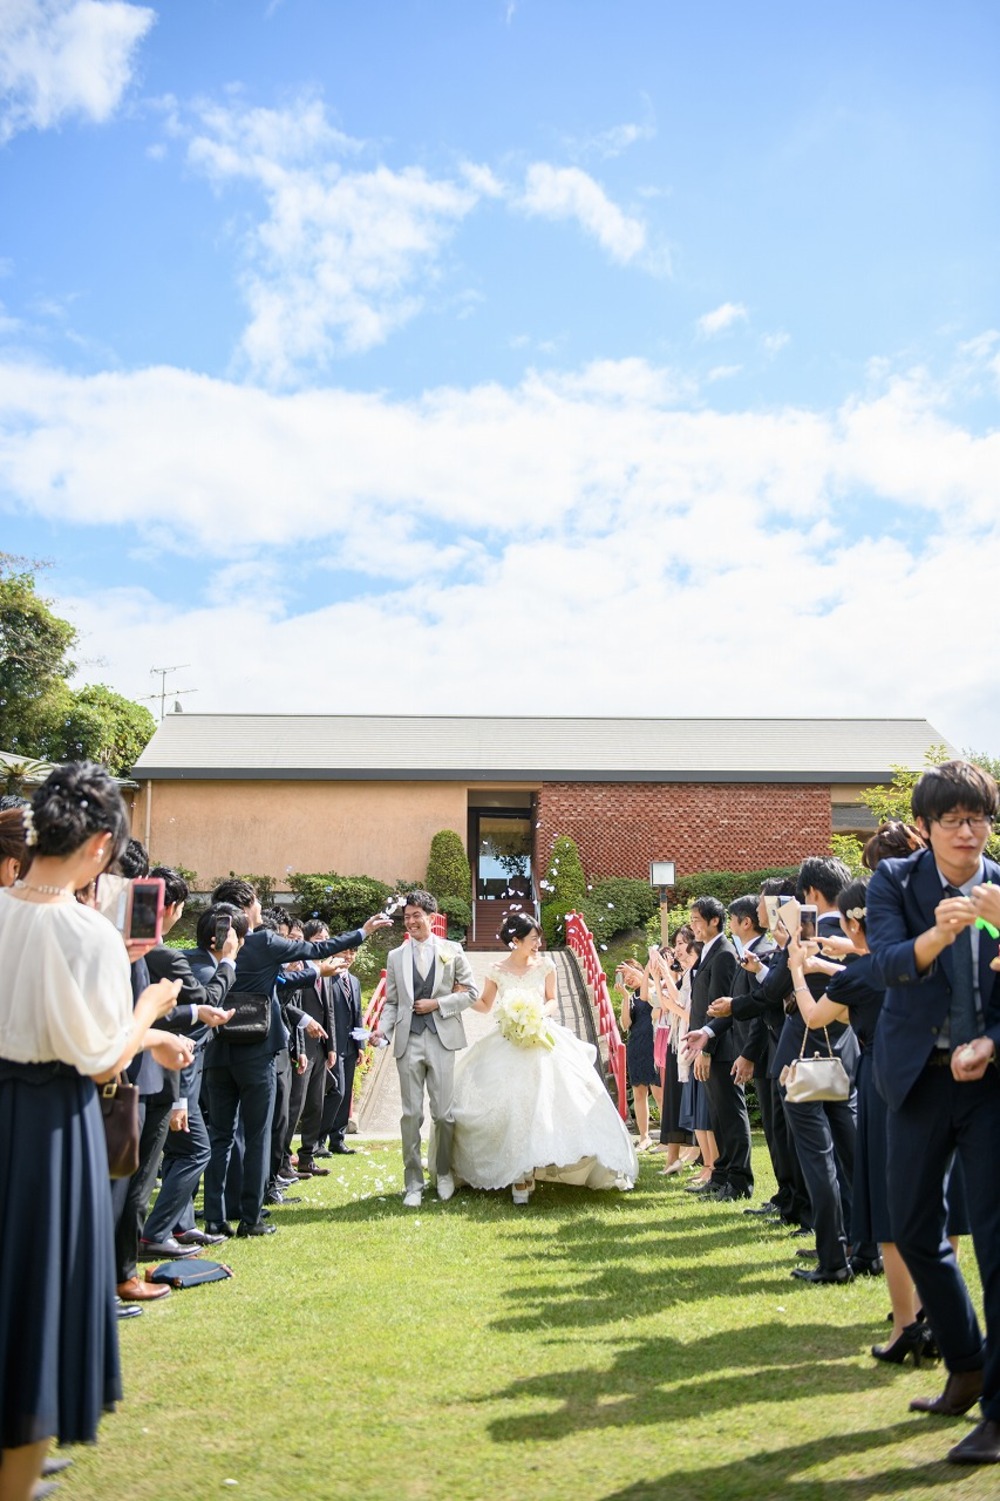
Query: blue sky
{"x": 349, "y": 352}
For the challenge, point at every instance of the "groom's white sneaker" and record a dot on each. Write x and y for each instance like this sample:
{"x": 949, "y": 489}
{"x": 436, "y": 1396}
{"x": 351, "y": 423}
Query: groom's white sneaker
{"x": 413, "y": 1199}
{"x": 445, "y": 1186}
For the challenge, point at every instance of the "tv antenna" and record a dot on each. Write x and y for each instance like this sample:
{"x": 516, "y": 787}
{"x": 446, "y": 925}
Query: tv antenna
{"x": 176, "y": 693}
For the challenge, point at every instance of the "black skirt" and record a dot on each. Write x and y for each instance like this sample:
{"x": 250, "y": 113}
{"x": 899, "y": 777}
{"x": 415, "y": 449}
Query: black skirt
{"x": 58, "y": 1329}
{"x": 639, "y": 1047}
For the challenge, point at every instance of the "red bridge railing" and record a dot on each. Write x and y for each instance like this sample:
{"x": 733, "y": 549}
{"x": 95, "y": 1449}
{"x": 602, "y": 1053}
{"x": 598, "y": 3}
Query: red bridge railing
{"x": 580, "y": 939}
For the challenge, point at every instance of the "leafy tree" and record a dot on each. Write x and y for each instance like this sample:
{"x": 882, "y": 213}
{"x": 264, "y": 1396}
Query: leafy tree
{"x": 893, "y": 801}
{"x": 41, "y": 716}
{"x": 449, "y": 878}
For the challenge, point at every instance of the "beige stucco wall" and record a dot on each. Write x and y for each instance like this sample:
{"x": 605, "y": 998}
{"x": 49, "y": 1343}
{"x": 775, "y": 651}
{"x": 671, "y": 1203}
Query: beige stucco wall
{"x": 381, "y": 829}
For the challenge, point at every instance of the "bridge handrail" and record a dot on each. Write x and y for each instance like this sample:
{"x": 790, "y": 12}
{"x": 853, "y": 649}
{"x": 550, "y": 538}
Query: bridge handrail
{"x": 580, "y": 939}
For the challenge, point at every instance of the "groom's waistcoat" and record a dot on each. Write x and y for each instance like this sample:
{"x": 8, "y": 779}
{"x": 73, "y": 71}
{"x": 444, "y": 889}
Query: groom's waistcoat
{"x": 423, "y": 990}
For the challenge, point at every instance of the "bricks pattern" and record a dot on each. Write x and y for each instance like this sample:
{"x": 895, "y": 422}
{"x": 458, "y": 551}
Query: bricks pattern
{"x": 620, "y": 827}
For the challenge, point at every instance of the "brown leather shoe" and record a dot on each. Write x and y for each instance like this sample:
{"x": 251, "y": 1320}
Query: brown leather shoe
{"x": 980, "y": 1447}
{"x": 962, "y": 1390}
{"x": 137, "y": 1291}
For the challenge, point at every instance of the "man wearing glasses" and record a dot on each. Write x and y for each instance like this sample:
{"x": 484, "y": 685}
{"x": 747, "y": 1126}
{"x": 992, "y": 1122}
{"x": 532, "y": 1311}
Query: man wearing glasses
{"x": 936, "y": 1066}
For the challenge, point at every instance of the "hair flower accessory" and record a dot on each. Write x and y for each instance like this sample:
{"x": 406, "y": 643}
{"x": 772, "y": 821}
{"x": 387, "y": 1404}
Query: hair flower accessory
{"x": 30, "y": 832}
{"x": 856, "y": 914}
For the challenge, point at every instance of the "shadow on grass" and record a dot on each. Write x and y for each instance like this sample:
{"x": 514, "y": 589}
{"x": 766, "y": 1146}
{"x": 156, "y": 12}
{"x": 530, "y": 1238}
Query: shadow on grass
{"x": 780, "y": 1472}
{"x": 689, "y": 1380}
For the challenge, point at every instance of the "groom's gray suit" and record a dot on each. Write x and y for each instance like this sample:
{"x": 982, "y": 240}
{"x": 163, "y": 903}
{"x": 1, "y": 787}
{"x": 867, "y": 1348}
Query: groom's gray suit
{"x": 424, "y": 1046}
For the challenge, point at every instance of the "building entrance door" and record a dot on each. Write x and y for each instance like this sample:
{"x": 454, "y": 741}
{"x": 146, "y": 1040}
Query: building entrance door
{"x": 501, "y": 871}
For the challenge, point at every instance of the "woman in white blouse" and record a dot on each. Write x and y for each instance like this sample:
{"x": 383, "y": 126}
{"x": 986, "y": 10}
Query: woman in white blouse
{"x": 66, "y": 1020}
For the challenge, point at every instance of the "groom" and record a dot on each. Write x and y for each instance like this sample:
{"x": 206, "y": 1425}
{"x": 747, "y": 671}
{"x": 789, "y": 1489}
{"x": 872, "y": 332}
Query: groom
{"x": 428, "y": 984}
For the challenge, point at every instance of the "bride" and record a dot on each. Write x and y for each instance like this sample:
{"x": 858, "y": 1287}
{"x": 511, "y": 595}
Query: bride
{"x": 529, "y": 1113}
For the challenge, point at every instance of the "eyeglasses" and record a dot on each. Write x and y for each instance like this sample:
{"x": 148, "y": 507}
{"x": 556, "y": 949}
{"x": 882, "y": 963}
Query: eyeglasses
{"x": 953, "y": 823}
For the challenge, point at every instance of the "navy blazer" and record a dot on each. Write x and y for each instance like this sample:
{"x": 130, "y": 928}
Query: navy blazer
{"x": 900, "y": 903}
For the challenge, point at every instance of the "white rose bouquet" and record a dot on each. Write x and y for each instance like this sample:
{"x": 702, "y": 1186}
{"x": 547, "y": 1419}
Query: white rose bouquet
{"x": 521, "y": 1018}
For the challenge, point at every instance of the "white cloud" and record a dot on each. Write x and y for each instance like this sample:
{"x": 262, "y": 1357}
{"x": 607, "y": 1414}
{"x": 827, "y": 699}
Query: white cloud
{"x": 569, "y": 193}
{"x": 60, "y": 58}
{"x": 344, "y": 255}
{"x": 581, "y": 501}
{"x": 773, "y": 344}
{"x": 721, "y": 318}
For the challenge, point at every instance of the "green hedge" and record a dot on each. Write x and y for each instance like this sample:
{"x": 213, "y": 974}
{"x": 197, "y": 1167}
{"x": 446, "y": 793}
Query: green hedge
{"x": 727, "y": 885}
{"x": 342, "y": 902}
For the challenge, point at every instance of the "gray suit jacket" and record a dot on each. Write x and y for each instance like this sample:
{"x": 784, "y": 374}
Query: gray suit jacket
{"x": 451, "y": 968}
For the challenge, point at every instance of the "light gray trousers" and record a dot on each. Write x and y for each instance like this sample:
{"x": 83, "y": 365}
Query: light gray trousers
{"x": 425, "y": 1063}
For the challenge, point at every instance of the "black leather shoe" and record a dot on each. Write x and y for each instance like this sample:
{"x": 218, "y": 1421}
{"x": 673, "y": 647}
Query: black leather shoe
{"x": 218, "y": 1227}
{"x": 809, "y": 1252}
{"x": 730, "y": 1195}
{"x": 245, "y": 1229}
{"x": 322, "y": 1152}
{"x": 198, "y": 1238}
{"x": 701, "y": 1188}
{"x": 816, "y": 1275}
{"x": 962, "y": 1390}
{"x": 275, "y": 1196}
{"x": 343, "y": 1151}
{"x": 170, "y": 1249}
{"x": 980, "y": 1447}
{"x": 127, "y": 1310}
{"x": 770, "y": 1209}
{"x": 863, "y": 1266}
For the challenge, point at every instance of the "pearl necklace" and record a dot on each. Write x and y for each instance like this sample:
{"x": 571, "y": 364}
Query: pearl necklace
{"x": 45, "y": 890}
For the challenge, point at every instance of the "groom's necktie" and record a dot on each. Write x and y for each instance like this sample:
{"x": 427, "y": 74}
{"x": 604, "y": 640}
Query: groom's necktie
{"x": 963, "y": 1013}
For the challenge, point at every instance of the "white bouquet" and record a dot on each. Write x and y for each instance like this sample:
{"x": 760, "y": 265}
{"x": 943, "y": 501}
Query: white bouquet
{"x": 521, "y": 1018}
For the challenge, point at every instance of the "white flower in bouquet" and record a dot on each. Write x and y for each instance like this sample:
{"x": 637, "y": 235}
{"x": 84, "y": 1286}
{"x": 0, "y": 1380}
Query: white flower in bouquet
{"x": 521, "y": 1018}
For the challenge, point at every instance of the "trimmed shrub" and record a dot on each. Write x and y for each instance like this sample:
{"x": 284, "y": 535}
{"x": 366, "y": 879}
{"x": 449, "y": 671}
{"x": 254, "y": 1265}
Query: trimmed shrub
{"x": 727, "y": 885}
{"x": 563, "y": 889}
{"x": 618, "y": 905}
{"x": 342, "y": 902}
{"x": 449, "y": 878}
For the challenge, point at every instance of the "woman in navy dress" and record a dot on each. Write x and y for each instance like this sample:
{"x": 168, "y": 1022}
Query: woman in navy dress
{"x": 66, "y": 1019}
{"x": 643, "y": 1075}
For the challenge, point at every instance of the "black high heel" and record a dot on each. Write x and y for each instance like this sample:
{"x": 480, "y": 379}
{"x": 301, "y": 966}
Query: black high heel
{"x": 915, "y": 1340}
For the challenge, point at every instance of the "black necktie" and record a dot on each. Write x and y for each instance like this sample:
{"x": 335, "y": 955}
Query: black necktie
{"x": 962, "y": 1019}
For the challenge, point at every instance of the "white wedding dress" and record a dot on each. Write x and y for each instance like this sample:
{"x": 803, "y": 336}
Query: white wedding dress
{"x": 519, "y": 1111}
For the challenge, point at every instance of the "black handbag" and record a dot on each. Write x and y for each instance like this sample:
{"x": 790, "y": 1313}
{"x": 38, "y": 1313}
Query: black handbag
{"x": 252, "y": 1021}
{"x": 120, "y": 1113}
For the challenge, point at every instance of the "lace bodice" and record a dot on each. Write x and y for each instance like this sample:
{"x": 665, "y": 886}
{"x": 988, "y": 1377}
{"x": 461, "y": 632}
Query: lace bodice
{"x": 533, "y": 978}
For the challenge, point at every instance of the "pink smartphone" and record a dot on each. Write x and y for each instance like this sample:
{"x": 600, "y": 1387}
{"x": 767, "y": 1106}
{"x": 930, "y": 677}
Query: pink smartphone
{"x": 144, "y": 909}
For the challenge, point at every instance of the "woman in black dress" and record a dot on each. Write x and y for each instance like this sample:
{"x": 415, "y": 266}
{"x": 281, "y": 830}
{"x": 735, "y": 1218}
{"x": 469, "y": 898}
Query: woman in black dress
{"x": 66, "y": 1019}
{"x": 643, "y": 1075}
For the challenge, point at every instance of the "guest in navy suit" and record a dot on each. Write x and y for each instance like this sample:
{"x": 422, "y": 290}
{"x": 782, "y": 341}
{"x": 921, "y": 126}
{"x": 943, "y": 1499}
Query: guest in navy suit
{"x": 935, "y": 1065}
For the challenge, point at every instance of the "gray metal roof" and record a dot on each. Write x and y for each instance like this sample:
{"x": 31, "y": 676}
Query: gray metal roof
{"x": 361, "y": 747}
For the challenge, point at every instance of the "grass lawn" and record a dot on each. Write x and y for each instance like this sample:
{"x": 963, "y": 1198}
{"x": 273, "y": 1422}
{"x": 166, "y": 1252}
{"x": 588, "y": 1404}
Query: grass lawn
{"x": 591, "y": 1346}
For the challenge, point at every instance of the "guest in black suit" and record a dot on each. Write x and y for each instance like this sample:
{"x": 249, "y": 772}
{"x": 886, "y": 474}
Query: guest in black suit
{"x": 935, "y": 1065}
{"x": 346, "y": 992}
{"x": 206, "y": 975}
{"x": 721, "y": 1040}
{"x": 241, "y": 1075}
{"x": 314, "y": 1053}
{"x": 764, "y": 1018}
{"x": 713, "y": 979}
{"x": 824, "y": 1131}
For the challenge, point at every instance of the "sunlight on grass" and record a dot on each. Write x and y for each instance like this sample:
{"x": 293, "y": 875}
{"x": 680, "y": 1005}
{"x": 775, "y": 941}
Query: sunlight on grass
{"x": 590, "y": 1346}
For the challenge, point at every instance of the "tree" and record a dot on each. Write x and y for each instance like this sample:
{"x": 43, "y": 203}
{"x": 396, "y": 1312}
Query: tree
{"x": 41, "y": 716}
{"x": 449, "y": 878}
{"x": 895, "y": 801}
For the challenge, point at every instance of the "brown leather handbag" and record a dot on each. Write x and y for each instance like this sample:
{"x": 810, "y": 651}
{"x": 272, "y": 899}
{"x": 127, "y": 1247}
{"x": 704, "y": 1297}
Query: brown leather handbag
{"x": 120, "y": 1112}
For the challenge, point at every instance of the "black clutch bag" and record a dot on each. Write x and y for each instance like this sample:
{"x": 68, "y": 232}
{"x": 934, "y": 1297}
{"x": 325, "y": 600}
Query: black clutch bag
{"x": 252, "y": 1021}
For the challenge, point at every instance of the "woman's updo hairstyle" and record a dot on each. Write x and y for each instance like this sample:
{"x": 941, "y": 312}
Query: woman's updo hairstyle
{"x": 851, "y": 902}
{"x": 517, "y": 925}
{"x": 73, "y": 803}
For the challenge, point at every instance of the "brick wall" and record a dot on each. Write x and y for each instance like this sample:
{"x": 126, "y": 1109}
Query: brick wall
{"x": 621, "y": 826}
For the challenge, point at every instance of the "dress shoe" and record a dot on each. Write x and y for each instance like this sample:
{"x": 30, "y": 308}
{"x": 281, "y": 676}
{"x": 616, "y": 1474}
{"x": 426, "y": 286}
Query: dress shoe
{"x": 341, "y": 1151}
{"x": 980, "y": 1447}
{"x": 867, "y": 1266}
{"x": 809, "y": 1252}
{"x": 55, "y": 1464}
{"x": 127, "y": 1310}
{"x": 413, "y": 1198}
{"x": 801, "y": 1231}
{"x": 700, "y": 1188}
{"x": 244, "y": 1229}
{"x": 445, "y": 1186}
{"x": 317, "y": 1172}
{"x": 915, "y": 1340}
{"x": 169, "y": 1248}
{"x": 817, "y": 1275}
{"x": 218, "y": 1227}
{"x": 323, "y": 1152}
{"x": 730, "y": 1195}
{"x": 198, "y": 1238}
{"x": 285, "y": 1180}
{"x": 136, "y": 1291}
{"x": 770, "y": 1209}
{"x": 962, "y": 1390}
{"x": 276, "y": 1196}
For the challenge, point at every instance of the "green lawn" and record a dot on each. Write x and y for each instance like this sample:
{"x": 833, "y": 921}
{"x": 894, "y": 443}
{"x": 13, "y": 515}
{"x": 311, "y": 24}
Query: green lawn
{"x": 592, "y": 1346}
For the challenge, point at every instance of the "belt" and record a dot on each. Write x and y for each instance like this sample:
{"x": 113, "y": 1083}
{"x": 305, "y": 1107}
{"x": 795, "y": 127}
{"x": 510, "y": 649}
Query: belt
{"x": 37, "y": 1073}
{"x": 940, "y": 1058}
